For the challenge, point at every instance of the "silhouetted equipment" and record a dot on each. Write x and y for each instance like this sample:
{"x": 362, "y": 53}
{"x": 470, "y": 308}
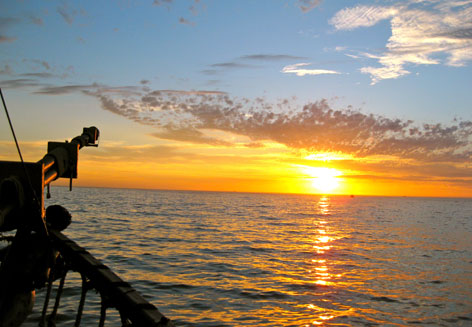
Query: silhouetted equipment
{"x": 22, "y": 183}
{"x": 39, "y": 253}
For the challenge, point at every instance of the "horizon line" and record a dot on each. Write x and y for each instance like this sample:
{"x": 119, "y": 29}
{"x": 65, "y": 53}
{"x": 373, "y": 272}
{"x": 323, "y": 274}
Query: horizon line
{"x": 275, "y": 193}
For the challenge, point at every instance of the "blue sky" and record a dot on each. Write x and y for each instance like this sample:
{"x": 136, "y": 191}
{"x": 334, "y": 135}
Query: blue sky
{"x": 80, "y": 61}
{"x": 202, "y": 45}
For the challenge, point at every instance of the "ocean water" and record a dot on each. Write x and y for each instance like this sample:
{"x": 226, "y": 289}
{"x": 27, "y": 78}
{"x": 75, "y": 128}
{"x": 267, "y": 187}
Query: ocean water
{"x": 236, "y": 259}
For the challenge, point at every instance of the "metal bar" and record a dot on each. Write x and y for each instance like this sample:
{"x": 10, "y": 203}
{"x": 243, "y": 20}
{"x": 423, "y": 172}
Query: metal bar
{"x": 49, "y": 176}
{"x": 48, "y": 162}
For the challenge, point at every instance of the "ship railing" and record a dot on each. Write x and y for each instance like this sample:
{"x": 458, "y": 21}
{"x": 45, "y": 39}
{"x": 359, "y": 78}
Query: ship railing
{"x": 115, "y": 293}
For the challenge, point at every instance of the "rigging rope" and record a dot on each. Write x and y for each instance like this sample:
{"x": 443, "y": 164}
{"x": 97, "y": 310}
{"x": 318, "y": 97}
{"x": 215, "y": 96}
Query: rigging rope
{"x": 11, "y": 125}
{"x": 36, "y": 200}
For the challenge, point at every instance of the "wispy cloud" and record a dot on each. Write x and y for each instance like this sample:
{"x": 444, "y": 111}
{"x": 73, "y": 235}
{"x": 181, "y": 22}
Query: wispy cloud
{"x": 6, "y": 70}
{"x": 36, "y": 71}
{"x": 69, "y": 13}
{"x": 189, "y": 135}
{"x": 162, "y": 2}
{"x": 66, "y": 12}
{"x": 271, "y": 57}
{"x": 6, "y": 39}
{"x": 421, "y": 31}
{"x": 195, "y": 7}
{"x": 38, "y": 75}
{"x": 19, "y": 83}
{"x": 58, "y": 90}
{"x": 5, "y": 23}
{"x": 307, "y": 5}
{"x": 36, "y": 20}
{"x": 8, "y": 21}
{"x": 44, "y": 64}
{"x": 361, "y": 16}
{"x": 186, "y": 21}
{"x": 299, "y": 71}
{"x": 231, "y": 65}
{"x": 248, "y": 62}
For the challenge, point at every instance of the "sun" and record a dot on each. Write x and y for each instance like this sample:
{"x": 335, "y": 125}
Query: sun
{"x": 324, "y": 180}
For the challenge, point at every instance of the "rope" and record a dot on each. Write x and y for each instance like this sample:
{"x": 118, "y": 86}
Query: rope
{"x": 43, "y": 323}
{"x": 124, "y": 321}
{"x": 35, "y": 197}
{"x": 52, "y": 316}
{"x": 11, "y": 125}
{"x": 103, "y": 314}
{"x": 82, "y": 300}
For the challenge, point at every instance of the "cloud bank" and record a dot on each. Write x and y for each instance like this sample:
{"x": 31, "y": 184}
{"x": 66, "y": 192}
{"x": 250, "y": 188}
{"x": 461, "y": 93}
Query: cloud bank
{"x": 374, "y": 143}
{"x": 186, "y": 115}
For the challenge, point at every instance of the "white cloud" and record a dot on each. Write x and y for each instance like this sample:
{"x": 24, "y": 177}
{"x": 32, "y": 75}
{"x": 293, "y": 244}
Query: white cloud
{"x": 386, "y": 72}
{"x": 361, "y": 16}
{"x": 295, "y": 69}
{"x": 352, "y": 56}
{"x": 422, "y": 32}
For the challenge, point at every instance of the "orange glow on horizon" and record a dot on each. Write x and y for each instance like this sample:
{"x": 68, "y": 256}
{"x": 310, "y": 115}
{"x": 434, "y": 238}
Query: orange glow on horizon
{"x": 269, "y": 169}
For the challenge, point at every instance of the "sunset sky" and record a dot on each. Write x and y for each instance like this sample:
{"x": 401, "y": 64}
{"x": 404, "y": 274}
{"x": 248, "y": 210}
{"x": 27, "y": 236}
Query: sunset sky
{"x": 302, "y": 96}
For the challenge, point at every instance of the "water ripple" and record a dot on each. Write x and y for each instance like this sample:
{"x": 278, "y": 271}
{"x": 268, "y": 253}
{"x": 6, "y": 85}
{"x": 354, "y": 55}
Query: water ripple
{"x": 230, "y": 259}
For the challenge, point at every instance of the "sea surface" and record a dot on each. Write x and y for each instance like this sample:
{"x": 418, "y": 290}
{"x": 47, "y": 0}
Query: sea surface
{"x": 240, "y": 259}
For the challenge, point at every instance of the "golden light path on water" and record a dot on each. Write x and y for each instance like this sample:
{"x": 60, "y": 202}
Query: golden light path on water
{"x": 320, "y": 272}
{"x": 325, "y": 271}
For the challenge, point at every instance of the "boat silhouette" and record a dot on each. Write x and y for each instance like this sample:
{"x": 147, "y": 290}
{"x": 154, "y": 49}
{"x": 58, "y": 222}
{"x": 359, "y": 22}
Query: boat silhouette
{"x": 39, "y": 253}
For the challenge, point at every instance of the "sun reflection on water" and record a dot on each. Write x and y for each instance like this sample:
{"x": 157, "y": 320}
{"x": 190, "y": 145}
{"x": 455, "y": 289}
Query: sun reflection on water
{"x": 320, "y": 271}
